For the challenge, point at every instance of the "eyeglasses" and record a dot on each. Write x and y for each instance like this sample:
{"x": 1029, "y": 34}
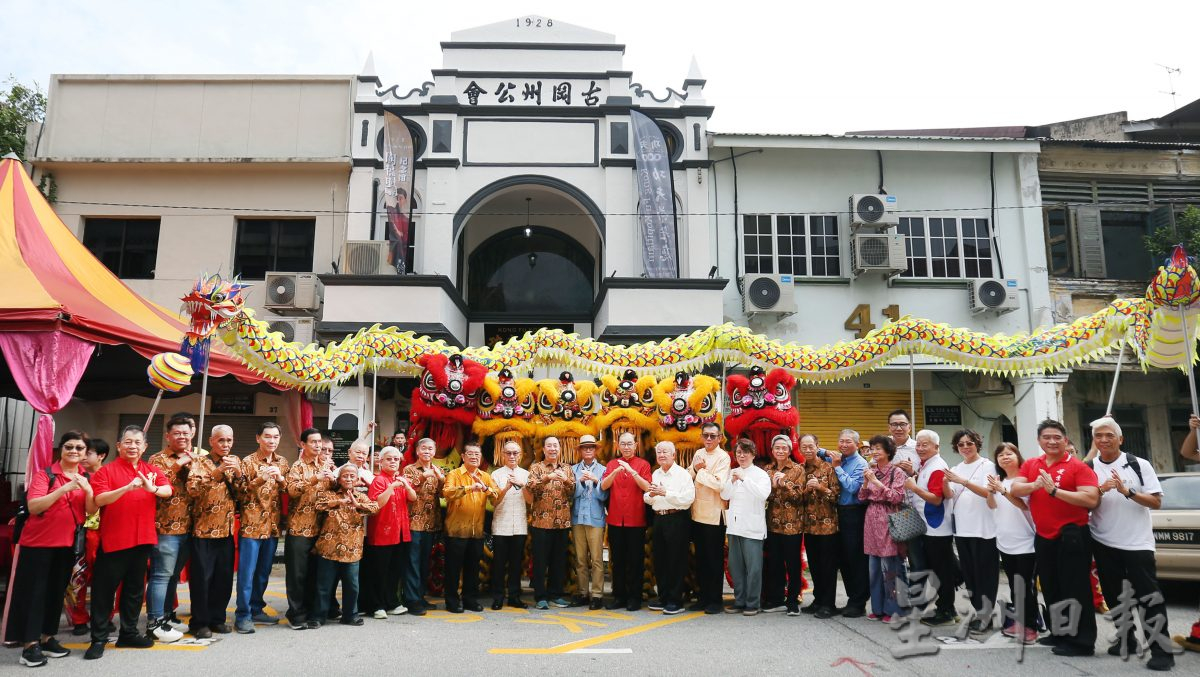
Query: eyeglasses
{"x": 74, "y": 447}
{"x": 710, "y": 436}
{"x": 901, "y": 424}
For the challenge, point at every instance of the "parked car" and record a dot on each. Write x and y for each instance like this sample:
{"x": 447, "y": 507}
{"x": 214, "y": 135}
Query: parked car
{"x": 1177, "y": 527}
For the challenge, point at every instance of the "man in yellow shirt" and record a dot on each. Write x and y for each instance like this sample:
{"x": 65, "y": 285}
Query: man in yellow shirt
{"x": 467, "y": 491}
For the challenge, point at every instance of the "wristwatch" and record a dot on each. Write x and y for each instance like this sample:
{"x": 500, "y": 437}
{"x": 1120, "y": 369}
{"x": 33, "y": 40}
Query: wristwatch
{"x": 1053, "y": 491}
{"x": 1131, "y": 493}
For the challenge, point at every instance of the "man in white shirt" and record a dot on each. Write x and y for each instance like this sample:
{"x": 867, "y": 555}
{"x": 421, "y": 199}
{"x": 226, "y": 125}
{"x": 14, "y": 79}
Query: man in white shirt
{"x": 1123, "y": 540}
{"x": 509, "y": 528}
{"x": 670, "y": 495}
{"x": 746, "y": 490}
{"x": 710, "y": 468}
{"x": 900, "y": 428}
{"x": 935, "y": 550}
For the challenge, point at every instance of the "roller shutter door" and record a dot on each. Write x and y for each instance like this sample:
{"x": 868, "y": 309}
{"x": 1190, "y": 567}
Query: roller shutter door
{"x": 827, "y": 411}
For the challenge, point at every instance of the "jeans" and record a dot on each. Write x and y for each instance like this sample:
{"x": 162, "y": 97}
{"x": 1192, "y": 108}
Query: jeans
{"x": 884, "y": 571}
{"x": 745, "y": 566}
{"x": 211, "y": 580}
{"x": 163, "y": 559}
{"x": 329, "y": 573}
{"x": 416, "y": 574}
{"x": 300, "y": 577}
{"x": 254, "y": 570}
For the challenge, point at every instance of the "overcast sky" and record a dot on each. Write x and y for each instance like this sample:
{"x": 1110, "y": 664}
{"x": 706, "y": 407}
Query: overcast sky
{"x": 771, "y": 66}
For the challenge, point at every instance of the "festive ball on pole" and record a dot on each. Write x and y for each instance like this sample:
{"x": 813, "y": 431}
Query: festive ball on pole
{"x": 170, "y": 372}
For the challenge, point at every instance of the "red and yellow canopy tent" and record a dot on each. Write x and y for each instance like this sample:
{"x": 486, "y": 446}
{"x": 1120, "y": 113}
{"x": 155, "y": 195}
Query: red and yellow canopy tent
{"x": 57, "y": 302}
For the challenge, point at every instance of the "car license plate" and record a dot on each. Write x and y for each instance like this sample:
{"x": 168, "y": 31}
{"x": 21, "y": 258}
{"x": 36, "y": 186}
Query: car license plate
{"x": 1177, "y": 536}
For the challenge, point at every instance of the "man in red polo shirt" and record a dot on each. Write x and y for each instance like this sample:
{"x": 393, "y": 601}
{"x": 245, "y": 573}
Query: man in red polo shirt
{"x": 127, "y": 492}
{"x": 626, "y": 479}
{"x": 1062, "y": 490}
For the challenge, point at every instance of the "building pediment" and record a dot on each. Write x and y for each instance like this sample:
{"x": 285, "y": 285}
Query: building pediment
{"x": 533, "y": 28}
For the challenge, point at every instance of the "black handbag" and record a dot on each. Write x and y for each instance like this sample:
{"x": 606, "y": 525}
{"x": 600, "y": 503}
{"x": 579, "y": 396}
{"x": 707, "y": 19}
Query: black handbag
{"x": 79, "y": 547}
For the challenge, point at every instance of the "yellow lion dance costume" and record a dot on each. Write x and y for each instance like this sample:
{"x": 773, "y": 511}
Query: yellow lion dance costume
{"x": 684, "y": 405}
{"x": 626, "y": 406}
{"x": 566, "y": 410}
{"x": 506, "y": 408}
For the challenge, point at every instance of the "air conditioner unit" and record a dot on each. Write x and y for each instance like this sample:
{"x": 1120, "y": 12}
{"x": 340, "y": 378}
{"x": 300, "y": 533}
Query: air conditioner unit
{"x": 878, "y": 253}
{"x": 978, "y": 383}
{"x": 998, "y": 296}
{"x": 293, "y": 293}
{"x": 366, "y": 257}
{"x": 873, "y": 211}
{"x": 297, "y": 329}
{"x": 768, "y": 294}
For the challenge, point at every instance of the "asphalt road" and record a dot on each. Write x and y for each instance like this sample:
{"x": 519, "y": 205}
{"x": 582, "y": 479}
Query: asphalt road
{"x": 577, "y": 641}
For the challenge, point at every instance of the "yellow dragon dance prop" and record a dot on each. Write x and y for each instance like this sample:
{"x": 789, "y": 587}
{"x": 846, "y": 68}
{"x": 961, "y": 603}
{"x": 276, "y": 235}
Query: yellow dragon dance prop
{"x": 1151, "y": 325}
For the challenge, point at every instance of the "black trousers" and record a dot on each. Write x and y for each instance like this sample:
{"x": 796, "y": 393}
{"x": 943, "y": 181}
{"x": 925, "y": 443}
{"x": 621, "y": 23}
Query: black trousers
{"x": 852, "y": 560}
{"x": 1025, "y": 567}
{"x": 508, "y": 554}
{"x": 938, "y": 557}
{"x": 171, "y": 597}
{"x": 822, "y": 564}
{"x": 127, "y": 569}
{"x": 671, "y": 555}
{"x": 210, "y": 580}
{"x": 1113, "y": 568}
{"x": 710, "y": 561}
{"x": 462, "y": 564}
{"x": 1064, "y": 566}
{"x": 980, "y": 569}
{"x": 626, "y": 550}
{"x": 300, "y": 577}
{"x": 379, "y": 579}
{"x": 549, "y": 552}
{"x": 37, "y": 592}
{"x": 781, "y": 555}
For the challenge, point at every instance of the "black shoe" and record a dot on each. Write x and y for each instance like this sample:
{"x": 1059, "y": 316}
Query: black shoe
{"x": 81, "y": 629}
{"x": 656, "y": 605}
{"x": 579, "y": 600}
{"x": 428, "y": 605}
{"x": 353, "y": 621}
{"x": 824, "y": 613}
{"x": 95, "y": 650}
{"x": 32, "y": 656}
{"x": 615, "y": 604}
{"x": 1072, "y": 650}
{"x": 473, "y": 605}
{"x": 52, "y": 649}
{"x": 313, "y": 625}
{"x": 497, "y": 604}
{"x": 416, "y": 611}
{"x": 454, "y": 607}
{"x": 221, "y": 628}
{"x": 516, "y": 603}
{"x": 1049, "y": 640}
{"x": 810, "y": 609}
{"x": 672, "y": 609}
{"x": 596, "y": 604}
{"x": 1115, "y": 650}
{"x": 134, "y": 642}
{"x": 334, "y": 616}
{"x": 633, "y": 605}
{"x": 852, "y": 611}
{"x": 200, "y": 632}
{"x": 698, "y": 606}
{"x": 1161, "y": 662}
{"x": 713, "y": 609}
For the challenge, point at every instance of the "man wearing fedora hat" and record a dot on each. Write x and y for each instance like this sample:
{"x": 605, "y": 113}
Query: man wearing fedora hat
{"x": 587, "y": 525}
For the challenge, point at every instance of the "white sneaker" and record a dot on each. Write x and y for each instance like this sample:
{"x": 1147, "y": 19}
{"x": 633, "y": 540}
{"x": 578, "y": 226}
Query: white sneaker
{"x": 164, "y": 633}
{"x": 398, "y": 610}
{"x": 380, "y": 615}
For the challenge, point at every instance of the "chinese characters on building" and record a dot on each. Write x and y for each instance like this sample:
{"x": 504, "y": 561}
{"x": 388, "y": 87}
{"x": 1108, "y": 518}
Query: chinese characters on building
{"x": 530, "y": 93}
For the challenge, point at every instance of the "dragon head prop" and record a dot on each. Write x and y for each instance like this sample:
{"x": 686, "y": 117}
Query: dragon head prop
{"x": 444, "y": 402}
{"x": 626, "y": 406}
{"x": 760, "y": 407}
{"x": 566, "y": 410}
{"x": 506, "y": 409}
{"x": 212, "y": 302}
{"x": 1175, "y": 284}
{"x": 684, "y": 405}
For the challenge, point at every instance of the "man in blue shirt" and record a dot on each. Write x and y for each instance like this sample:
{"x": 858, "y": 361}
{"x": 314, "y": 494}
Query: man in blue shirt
{"x": 849, "y": 466}
{"x": 587, "y": 525}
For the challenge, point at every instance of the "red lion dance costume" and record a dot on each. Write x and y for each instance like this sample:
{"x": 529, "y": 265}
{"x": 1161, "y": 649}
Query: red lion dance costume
{"x": 443, "y": 404}
{"x": 760, "y": 407}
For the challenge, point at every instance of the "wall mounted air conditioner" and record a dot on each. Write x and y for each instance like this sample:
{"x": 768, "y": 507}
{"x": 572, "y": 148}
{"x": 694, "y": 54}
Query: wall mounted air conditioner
{"x": 293, "y": 293}
{"x": 298, "y": 329}
{"x": 978, "y": 383}
{"x": 997, "y": 296}
{"x": 774, "y": 294}
{"x": 366, "y": 257}
{"x": 877, "y": 253}
{"x": 873, "y": 211}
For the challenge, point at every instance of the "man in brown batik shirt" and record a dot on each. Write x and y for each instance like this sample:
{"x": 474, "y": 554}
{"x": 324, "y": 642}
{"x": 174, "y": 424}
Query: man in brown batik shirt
{"x": 210, "y": 485}
{"x": 425, "y": 524}
{"x": 550, "y": 488}
{"x": 307, "y": 477}
{"x": 173, "y": 520}
{"x": 261, "y": 486}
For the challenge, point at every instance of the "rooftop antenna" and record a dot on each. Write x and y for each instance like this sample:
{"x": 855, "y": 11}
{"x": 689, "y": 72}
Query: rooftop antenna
{"x": 1171, "y": 73}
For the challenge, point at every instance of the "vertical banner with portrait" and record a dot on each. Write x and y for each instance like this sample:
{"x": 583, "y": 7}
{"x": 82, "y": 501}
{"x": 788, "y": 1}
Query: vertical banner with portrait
{"x": 397, "y": 189}
{"x": 656, "y": 198}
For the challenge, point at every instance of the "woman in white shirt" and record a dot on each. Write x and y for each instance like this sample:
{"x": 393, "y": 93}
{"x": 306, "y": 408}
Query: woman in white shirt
{"x": 509, "y": 528}
{"x": 746, "y": 489}
{"x": 1014, "y": 540}
{"x": 973, "y": 524}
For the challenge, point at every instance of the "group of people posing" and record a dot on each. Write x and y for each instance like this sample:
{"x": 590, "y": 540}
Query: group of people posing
{"x": 1044, "y": 518}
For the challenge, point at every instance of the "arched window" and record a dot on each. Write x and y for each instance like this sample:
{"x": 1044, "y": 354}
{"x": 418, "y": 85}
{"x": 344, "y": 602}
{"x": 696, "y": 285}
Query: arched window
{"x": 530, "y": 271}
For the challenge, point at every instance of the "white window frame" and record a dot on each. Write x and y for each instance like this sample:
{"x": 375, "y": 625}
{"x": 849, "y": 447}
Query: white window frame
{"x": 926, "y": 240}
{"x": 756, "y": 262}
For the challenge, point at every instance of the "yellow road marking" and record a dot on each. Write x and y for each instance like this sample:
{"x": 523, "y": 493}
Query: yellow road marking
{"x": 440, "y": 615}
{"x": 573, "y": 625}
{"x": 158, "y": 646}
{"x": 599, "y": 614}
{"x": 600, "y": 639}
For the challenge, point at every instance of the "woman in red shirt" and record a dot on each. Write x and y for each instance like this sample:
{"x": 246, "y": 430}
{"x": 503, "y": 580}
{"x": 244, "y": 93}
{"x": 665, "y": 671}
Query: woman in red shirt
{"x": 59, "y": 498}
{"x": 388, "y": 536}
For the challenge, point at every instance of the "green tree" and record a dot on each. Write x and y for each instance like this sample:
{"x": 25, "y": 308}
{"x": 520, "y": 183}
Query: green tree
{"x": 1162, "y": 241}
{"x": 19, "y": 106}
